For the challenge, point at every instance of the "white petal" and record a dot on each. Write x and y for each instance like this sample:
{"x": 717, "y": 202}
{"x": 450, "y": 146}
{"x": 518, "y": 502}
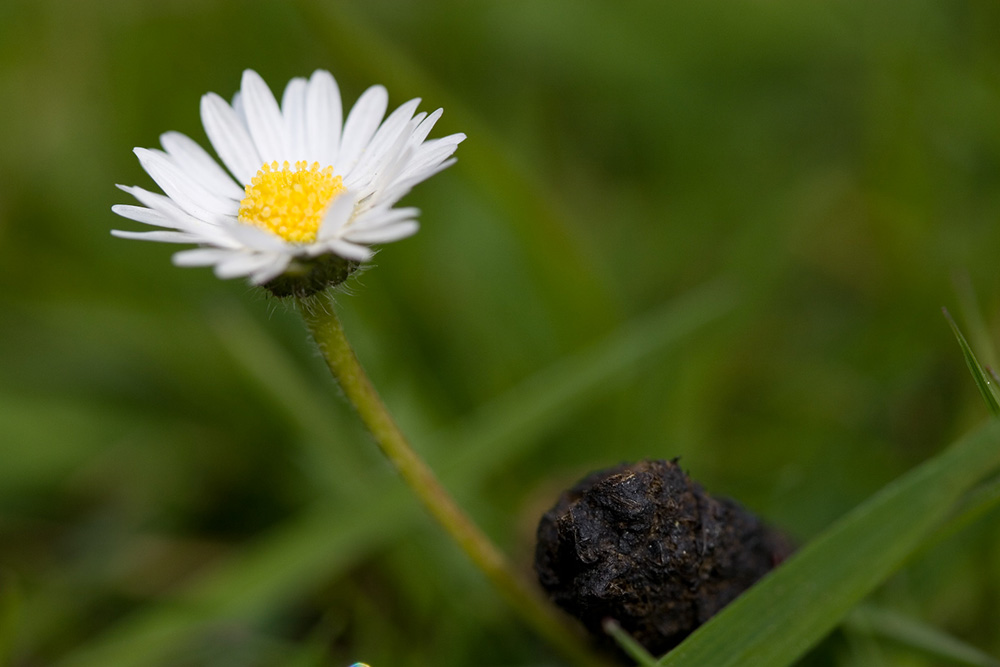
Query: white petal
{"x": 196, "y": 233}
{"x": 293, "y": 108}
{"x": 337, "y": 216}
{"x": 414, "y": 166}
{"x": 324, "y": 117}
{"x": 347, "y": 250}
{"x": 210, "y": 232}
{"x": 361, "y": 124}
{"x": 241, "y": 265}
{"x": 264, "y": 119}
{"x": 401, "y": 186}
{"x": 163, "y": 236}
{"x": 385, "y": 146}
{"x": 389, "y": 131}
{"x": 384, "y": 216}
{"x": 391, "y": 163}
{"x": 184, "y": 190}
{"x": 230, "y": 138}
{"x": 436, "y": 170}
{"x": 452, "y": 139}
{"x": 237, "y": 105}
{"x": 386, "y": 234}
{"x": 146, "y": 216}
{"x": 426, "y": 160}
{"x": 258, "y": 239}
{"x": 192, "y": 158}
{"x": 389, "y": 195}
{"x": 273, "y": 270}
{"x": 202, "y": 256}
{"x": 425, "y": 127}
{"x": 161, "y": 203}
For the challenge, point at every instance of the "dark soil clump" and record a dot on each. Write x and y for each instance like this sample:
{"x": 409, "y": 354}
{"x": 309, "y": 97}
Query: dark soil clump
{"x": 646, "y": 546}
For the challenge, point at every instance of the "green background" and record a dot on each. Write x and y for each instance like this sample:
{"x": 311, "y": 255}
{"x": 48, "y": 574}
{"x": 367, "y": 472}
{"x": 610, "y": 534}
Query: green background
{"x": 180, "y": 482}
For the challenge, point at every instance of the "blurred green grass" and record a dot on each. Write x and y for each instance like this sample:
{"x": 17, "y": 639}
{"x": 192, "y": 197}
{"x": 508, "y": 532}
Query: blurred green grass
{"x": 836, "y": 163}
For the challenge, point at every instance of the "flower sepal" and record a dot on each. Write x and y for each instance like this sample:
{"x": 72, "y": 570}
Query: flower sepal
{"x": 307, "y": 276}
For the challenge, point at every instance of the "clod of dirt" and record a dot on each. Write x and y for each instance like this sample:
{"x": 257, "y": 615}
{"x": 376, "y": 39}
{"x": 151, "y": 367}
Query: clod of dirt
{"x": 643, "y": 544}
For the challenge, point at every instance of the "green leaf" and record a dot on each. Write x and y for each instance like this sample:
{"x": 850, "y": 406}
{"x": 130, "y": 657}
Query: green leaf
{"x": 985, "y": 383}
{"x": 915, "y": 634}
{"x": 778, "y": 620}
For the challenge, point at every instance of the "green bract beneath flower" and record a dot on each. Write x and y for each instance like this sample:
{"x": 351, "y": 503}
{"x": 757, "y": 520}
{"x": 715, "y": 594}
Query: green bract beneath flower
{"x": 307, "y": 192}
{"x": 306, "y": 277}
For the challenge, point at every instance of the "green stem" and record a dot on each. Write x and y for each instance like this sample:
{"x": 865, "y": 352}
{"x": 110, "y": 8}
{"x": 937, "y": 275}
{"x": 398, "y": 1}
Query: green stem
{"x": 326, "y": 329}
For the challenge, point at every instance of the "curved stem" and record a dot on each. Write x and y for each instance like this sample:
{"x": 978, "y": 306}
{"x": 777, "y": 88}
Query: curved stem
{"x": 326, "y": 329}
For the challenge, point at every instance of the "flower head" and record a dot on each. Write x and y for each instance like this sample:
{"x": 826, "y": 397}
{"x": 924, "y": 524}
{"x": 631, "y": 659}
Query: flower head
{"x": 312, "y": 191}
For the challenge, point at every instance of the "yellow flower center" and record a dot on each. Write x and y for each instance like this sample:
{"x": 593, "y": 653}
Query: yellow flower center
{"x": 290, "y": 202}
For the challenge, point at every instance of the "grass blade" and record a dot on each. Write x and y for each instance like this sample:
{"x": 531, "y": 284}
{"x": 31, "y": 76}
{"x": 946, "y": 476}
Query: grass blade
{"x": 910, "y": 632}
{"x": 985, "y": 383}
{"x": 634, "y": 649}
{"x": 972, "y": 315}
{"x": 791, "y": 609}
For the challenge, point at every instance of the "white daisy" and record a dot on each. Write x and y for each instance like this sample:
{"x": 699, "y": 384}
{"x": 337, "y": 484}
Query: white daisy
{"x": 308, "y": 186}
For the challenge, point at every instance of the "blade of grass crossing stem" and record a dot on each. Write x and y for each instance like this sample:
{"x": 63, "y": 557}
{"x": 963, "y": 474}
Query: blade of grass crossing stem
{"x": 887, "y": 624}
{"x": 634, "y": 649}
{"x": 986, "y": 385}
{"x": 780, "y": 618}
{"x": 277, "y": 568}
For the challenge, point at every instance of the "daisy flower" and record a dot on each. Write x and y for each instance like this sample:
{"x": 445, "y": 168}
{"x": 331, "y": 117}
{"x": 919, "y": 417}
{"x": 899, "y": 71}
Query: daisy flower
{"x": 307, "y": 192}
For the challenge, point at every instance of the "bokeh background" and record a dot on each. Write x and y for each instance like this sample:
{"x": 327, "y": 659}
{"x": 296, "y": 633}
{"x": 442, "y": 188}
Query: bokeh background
{"x": 715, "y": 230}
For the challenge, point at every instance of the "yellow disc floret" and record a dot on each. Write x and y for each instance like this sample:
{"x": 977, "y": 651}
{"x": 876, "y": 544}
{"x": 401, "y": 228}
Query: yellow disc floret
{"x": 290, "y": 202}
